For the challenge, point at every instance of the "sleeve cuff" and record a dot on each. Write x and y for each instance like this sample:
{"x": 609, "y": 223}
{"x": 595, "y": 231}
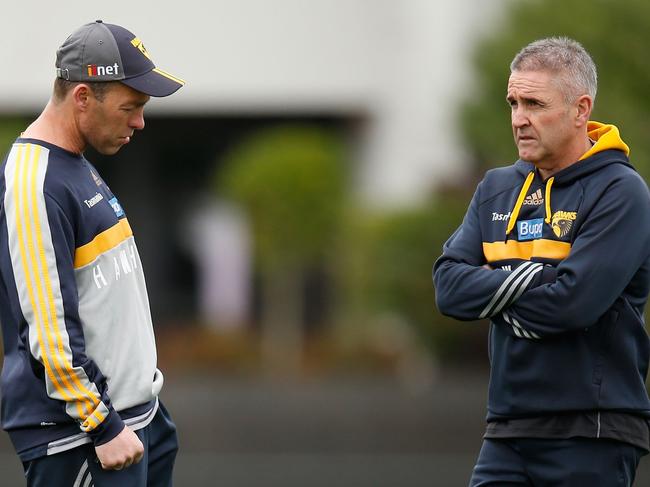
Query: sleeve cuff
{"x": 513, "y": 326}
{"x": 108, "y": 429}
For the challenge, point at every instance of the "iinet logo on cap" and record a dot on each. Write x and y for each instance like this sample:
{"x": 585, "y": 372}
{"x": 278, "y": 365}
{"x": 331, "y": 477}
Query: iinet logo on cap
{"x": 94, "y": 70}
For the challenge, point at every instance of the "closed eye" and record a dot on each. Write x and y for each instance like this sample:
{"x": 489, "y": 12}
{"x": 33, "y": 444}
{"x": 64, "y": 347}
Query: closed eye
{"x": 129, "y": 107}
{"x": 529, "y": 102}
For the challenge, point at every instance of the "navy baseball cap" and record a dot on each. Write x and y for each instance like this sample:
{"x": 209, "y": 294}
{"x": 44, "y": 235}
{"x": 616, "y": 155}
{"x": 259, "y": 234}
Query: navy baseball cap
{"x": 99, "y": 52}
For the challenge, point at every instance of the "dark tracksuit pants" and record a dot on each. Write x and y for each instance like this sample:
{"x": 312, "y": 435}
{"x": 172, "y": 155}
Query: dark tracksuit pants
{"x": 79, "y": 467}
{"x": 574, "y": 462}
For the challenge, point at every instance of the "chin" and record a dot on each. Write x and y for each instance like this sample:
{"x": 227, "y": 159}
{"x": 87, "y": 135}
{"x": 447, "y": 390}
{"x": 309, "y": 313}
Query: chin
{"x": 107, "y": 151}
{"x": 526, "y": 156}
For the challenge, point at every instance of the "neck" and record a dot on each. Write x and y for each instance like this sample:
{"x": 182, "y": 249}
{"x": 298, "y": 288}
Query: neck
{"x": 573, "y": 155}
{"x": 57, "y": 125}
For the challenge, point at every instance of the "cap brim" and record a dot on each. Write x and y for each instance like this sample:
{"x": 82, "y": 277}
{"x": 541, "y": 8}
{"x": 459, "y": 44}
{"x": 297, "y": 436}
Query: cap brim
{"x": 155, "y": 83}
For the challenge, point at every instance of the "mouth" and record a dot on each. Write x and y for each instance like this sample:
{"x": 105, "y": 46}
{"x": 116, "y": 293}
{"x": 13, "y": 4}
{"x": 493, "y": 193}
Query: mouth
{"x": 525, "y": 138}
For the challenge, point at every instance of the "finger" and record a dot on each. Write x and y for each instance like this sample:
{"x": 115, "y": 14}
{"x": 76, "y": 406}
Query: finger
{"x": 138, "y": 457}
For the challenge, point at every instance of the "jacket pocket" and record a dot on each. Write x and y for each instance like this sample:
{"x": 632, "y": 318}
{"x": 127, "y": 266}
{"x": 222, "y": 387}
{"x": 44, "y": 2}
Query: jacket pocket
{"x": 608, "y": 323}
{"x": 489, "y": 342}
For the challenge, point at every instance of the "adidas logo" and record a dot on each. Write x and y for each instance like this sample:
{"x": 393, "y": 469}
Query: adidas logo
{"x": 534, "y": 199}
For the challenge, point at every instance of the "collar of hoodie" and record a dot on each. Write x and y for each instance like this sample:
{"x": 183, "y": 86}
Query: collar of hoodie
{"x": 604, "y": 137}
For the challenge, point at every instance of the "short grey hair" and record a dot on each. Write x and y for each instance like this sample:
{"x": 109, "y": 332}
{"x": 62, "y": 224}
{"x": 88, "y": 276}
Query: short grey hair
{"x": 565, "y": 57}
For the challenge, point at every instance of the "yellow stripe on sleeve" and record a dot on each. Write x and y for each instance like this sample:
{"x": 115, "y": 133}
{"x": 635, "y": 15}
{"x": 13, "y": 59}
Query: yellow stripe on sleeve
{"x": 92, "y": 421}
{"x": 23, "y": 224}
{"x": 64, "y": 378}
{"x": 22, "y": 158}
{"x": 79, "y": 390}
{"x": 103, "y": 242}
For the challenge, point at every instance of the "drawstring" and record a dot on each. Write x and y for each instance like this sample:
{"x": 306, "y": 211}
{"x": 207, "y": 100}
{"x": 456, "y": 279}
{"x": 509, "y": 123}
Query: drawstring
{"x": 547, "y": 200}
{"x": 520, "y": 200}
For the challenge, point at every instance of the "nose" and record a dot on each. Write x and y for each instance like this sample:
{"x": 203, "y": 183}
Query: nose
{"x": 519, "y": 117}
{"x": 136, "y": 122}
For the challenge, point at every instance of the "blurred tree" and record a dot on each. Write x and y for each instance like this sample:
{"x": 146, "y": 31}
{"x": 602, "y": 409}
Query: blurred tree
{"x": 391, "y": 266}
{"x": 615, "y": 32}
{"x": 290, "y": 180}
{"x": 10, "y": 129}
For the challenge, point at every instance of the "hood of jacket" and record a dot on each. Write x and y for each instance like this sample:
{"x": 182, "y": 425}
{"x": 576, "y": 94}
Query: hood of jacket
{"x": 608, "y": 148}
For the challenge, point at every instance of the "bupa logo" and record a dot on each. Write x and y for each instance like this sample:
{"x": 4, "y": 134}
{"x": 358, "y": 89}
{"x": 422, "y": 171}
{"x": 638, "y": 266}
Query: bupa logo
{"x": 97, "y": 70}
{"x": 530, "y": 229}
{"x": 562, "y": 222}
{"x": 117, "y": 208}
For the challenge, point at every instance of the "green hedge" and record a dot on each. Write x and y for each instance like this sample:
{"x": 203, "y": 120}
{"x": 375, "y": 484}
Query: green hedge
{"x": 389, "y": 271}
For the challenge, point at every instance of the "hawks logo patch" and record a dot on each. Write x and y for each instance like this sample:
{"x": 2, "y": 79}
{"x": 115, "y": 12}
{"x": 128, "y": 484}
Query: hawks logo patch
{"x": 562, "y": 222}
{"x": 137, "y": 43}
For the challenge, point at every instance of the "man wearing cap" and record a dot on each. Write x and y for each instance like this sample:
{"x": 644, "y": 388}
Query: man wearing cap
{"x": 79, "y": 382}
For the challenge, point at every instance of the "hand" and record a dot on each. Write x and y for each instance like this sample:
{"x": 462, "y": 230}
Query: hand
{"x": 121, "y": 452}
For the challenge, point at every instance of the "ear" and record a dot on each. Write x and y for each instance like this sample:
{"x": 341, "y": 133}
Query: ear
{"x": 583, "y": 107}
{"x": 81, "y": 95}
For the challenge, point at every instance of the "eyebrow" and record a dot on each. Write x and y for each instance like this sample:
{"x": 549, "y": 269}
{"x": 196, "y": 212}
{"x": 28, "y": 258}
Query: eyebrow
{"x": 510, "y": 98}
{"x": 135, "y": 103}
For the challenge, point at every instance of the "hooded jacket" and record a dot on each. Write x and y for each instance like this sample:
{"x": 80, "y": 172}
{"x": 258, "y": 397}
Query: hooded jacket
{"x": 566, "y": 286}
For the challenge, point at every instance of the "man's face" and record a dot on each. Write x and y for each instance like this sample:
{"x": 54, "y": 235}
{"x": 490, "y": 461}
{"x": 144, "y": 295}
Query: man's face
{"x": 541, "y": 119}
{"x": 109, "y": 124}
